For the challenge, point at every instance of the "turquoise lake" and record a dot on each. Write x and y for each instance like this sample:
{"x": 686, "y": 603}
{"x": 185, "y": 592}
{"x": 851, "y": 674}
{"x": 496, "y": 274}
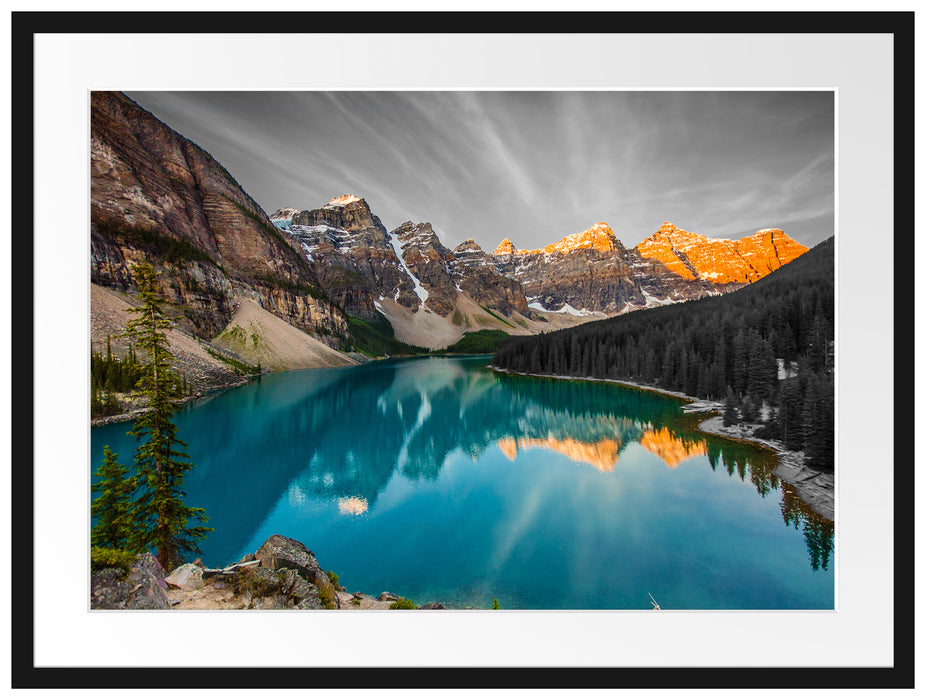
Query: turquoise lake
{"x": 442, "y": 480}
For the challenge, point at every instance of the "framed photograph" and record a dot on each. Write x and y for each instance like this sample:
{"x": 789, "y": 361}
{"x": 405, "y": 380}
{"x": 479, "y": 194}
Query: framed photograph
{"x": 462, "y": 349}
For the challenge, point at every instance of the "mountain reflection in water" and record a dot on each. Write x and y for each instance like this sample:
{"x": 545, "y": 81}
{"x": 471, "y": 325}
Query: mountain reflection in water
{"x": 343, "y": 437}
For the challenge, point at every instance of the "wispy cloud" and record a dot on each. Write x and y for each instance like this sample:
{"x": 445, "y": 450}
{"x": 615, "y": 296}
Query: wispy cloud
{"x": 531, "y": 166}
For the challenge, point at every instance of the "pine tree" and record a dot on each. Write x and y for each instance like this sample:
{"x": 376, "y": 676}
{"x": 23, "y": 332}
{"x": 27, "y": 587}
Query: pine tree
{"x": 748, "y": 410}
{"x": 160, "y": 517}
{"x": 729, "y": 411}
{"x": 111, "y": 508}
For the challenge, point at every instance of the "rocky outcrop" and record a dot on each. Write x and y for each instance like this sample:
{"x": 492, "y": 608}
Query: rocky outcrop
{"x": 188, "y": 577}
{"x": 283, "y": 552}
{"x": 156, "y": 196}
{"x": 142, "y": 588}
{"x": 282, "y": 574}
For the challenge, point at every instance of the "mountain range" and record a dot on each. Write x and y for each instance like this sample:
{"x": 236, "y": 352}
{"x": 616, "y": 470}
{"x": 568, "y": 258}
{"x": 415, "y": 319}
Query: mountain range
{"x": 233, "y": 272}
{"x": 430, "y": 292}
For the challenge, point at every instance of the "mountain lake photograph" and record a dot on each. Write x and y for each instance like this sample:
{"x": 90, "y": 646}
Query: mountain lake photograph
{"x": 462, "y": 351}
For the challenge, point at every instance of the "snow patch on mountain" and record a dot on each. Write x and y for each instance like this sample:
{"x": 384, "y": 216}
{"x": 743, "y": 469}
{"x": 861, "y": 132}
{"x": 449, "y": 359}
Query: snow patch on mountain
{"x": 652, "y": 301}
{"x": 397, "y": 247}
{"x": 565, "y": 309}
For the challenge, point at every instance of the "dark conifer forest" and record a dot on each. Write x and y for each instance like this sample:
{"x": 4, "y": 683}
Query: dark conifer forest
{"x": 725, "y": 348}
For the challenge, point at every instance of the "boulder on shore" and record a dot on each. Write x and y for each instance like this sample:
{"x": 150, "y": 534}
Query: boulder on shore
{"x": 187, "y": 577}
{"x": 142, "y": 588}
{"x": 284, "y": 552}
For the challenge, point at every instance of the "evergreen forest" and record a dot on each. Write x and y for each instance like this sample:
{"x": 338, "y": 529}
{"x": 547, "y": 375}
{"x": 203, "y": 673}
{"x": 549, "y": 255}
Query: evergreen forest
{"x": 111, "y": 375}
{"x": 729, "y": 348}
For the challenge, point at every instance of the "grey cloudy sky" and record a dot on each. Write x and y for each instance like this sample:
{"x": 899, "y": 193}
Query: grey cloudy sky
{"x": 530, "y": 166}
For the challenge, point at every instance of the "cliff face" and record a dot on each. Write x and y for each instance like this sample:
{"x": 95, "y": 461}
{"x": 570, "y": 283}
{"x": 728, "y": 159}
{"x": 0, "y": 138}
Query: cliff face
{"x": 156, "y": 196}
{"x": 428, "y": 261}
{"x": 477, "y": 275}
{"x": 352, "y": 254}
{"x": 360, "y": 263}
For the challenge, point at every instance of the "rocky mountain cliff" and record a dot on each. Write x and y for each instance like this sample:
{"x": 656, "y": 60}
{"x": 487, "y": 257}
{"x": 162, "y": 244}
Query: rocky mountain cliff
{"x": 156, "y": 196}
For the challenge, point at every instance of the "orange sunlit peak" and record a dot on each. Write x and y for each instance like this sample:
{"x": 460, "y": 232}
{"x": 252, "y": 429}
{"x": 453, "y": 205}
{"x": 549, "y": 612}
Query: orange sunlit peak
{"x": 345, "y": 199}
{"x": 506, "y": 247}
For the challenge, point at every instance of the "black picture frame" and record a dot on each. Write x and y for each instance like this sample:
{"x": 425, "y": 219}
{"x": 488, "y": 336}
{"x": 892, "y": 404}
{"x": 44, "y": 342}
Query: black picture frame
{"x": 25, "y": 674}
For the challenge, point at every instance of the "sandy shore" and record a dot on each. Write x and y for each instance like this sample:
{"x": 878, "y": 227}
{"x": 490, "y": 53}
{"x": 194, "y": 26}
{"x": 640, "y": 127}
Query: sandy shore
{"x": 816, "y": 489}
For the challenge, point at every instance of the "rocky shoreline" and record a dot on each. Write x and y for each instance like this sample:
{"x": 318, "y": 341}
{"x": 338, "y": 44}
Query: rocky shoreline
{"x": 209, "y": 391}
{"x": 283, "y": 574}
{"x": 816, "y": 489}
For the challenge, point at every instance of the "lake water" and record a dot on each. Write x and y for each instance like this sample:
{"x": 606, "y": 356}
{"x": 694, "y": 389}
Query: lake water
{"x": 441, "y": 480}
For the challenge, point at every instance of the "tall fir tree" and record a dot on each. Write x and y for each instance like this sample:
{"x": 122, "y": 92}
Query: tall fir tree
{"x": 160, "y": 517}
{"x": 730, "y": 415}
{"x": 111, "y": 508}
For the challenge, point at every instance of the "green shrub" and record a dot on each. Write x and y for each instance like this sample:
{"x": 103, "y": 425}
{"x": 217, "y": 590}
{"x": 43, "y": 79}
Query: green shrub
{"x": 495, "y": 605}
{"x": 333, "y": 577}
{"x": 107, "y": 558}
{"x": 249, "y": 580}
{"x": 403, "y": 604}
{"x": 326, "y": 594}
{"x": 237, "y": 365}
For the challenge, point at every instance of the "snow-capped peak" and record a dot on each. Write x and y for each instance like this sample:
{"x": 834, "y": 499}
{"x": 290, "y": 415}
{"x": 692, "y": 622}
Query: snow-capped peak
{"x": 506, "y": 247}
{"x": 600, "y": 237}
{"x": 284, "y": 213}
{"x": 343, "y": 199}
